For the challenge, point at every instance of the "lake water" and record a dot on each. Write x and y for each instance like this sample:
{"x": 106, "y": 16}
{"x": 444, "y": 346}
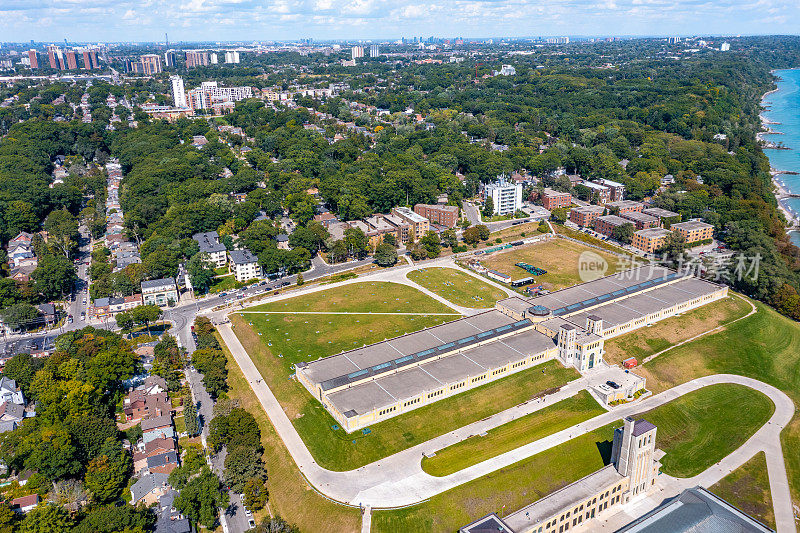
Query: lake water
{"x": 783, "y": 106}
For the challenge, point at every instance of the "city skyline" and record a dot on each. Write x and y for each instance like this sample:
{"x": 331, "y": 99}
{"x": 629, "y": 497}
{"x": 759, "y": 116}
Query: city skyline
{"x": 243, "y": 20}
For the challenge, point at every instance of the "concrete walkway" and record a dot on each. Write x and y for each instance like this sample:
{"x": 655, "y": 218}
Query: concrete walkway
{"x": 399, "y": 480}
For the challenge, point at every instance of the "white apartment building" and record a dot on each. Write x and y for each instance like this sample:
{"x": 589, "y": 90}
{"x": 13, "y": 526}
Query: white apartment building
{"x": 374, "y": 50}
{"x": 231, "y": 56}
{"x": 210, "y": 245}
{"x": 178, "y": 92}
{"x": 506, "y": 196}
{"x": 357, "y": 51}
{"x": 244, "y": 265}
{"x": 209, "y": 93}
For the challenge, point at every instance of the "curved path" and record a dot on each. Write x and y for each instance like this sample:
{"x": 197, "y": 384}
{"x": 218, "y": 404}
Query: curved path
{"x": 399, "y": 480}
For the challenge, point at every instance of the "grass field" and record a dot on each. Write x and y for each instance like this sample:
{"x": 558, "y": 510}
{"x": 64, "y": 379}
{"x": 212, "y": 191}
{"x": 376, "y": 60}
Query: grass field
{"x": 558, "y": 256}
{"x": 747, "y": 488}
{"x": 457, "y": 287}
{"x": 290, "y": 496}
{"x": 364, "y": 297}
{"x": 292, "y": 338}
{"x": 764, "y": 346}
{"x": 704, "y": 426}
{"x": 296, "y": 336}
{"x": 512, "y": 435}
{"x": 533, "y": 478}
{"x": 668, "y": 332}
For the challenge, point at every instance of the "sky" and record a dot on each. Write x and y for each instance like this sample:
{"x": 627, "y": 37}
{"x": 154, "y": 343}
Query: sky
{"x": 262, "y": 20}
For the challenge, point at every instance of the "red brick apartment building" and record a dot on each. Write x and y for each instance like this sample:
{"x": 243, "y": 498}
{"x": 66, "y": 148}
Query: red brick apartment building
{"x": 444, "y": 215}
{"x": 554, "y": 199}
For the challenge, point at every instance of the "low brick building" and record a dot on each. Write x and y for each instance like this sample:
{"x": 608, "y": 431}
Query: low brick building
{"x": 444, "y": 215}
{"x": 694, "y": 230}
{"x": 640, "y": 220}
{"x": 554, "y": 199}
{"x": 585, "y": 216}
{"x": 605, "y": 225}
{"x": 626, "y": 206}
{"x": 650, "y": 240}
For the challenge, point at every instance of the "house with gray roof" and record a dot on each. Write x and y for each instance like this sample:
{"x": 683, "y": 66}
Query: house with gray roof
{"x": 159, "y": 292}
{"x": 244, "y": 265}
{"x": 210, "y": 245}
{"x": 149, "y": 488}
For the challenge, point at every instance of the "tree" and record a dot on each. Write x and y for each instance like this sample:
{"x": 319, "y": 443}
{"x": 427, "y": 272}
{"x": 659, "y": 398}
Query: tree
{"x": 559, "y": 215}
{"x": 337, "y": 252}
{"x": 483, "y": 231}
{"x": 107, "y": 474}
{"x": 62, "y": 230}
{"x": 433, "y": 246}
{"x": 449, "y": 238}
{"x": 385, "y": 255}
{"x": 21, "y": 368}
{"x": 357, "y": 242}
{"x": 243, "y": 463}
{"x": 124, "y": 320}
{"x": 543, "y": 227}
{"x": 146, "y": 314}
{"x": 471, "y": 235}
{"x": 488, "y": 207}
{"x": 201, "y": 272}
{"x": 52, "y": 454}
{"x": 47, "y": 518}
{"x": 300, "y": 280}
{"x": 623, "y": 233}
{"x": 115, "y": 519}
{"x": 275, "y": 525}
{"x": 201, "y": 499}
{"x": 673, "y": 251}
{"x": 20, "y": 216}
{"x": 416, "y": 251}
{"x": 54, "y": 276}
{"x": 70, "y": 494}
{"x": 390, "y": 239}
{"x": 20, "y": 316}
{"x": 255, "y": 493}
{"x": 237, "y": 427}
{"x": 190, "y": 417}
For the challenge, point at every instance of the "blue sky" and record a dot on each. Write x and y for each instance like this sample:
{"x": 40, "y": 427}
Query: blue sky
{"x": 192, "y": 20}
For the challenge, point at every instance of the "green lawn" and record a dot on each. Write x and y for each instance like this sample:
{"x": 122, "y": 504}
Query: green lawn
{"x": 512, "y": 435}
{"x": 220, "y": 284}
{"x": 765, "y": 346}
{"x": 457, "y": 287}
{"x": 558, "y": 257}
{"x": 535, "y": 477}
{"x": 671, "y": 331}
{"x": 292, "y": 338}
{"x": 702, "y": 427}
{"x": 371, "y": 297}
{"x": 747, "y": 488}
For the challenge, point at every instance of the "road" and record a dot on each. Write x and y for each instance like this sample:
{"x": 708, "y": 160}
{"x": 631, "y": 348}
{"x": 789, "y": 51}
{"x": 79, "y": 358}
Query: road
{"x": 471, "y": 212}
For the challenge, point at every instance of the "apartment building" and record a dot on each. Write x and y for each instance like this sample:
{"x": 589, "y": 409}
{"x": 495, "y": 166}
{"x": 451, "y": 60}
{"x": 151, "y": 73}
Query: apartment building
{"x": 210, "y": 245}
{"x": 605, "y": 225}
{"x": 664, "y": 216}
{"x": 585, "y": 216}
{"x": 626, "y": 206}
{"x": 650, "y": 240}
{"x": 694, "y": 230}
{"x": 244, "y": 265}
{"x": 418, "y": 223}
{"x": 506, "y": 196}
{"x": 554, "y": 199}
{"x": 640, "y": 220}
{"x": 444, "y": 215}
{"x": 599, "y": 192}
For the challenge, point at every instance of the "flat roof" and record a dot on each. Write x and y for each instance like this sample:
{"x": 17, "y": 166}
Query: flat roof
{"x": 625, "y": 203}
{"x": 659, "y": 212}
{"x": 651, "y": 233}
{"x": 393, "y": 352}
{"x": 489, "y": 523}
{"x": 563, "y": 499}
{"x": 403, "y": 384}
{"x": 691, "y": 224}
{"x": 614, "y": 220}
{"x": 588, "y": 209}
{"x": 639, "y": 217}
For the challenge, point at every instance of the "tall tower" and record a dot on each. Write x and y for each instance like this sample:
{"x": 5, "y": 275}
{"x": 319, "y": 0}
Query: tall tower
{"x": 634, "y": 454}
{"x": 178, "y": 92}
{"x": 566, "y": 344}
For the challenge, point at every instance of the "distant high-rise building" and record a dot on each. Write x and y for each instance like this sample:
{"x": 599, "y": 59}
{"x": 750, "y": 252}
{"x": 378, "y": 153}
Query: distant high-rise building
{"x": 175, "y": 59}
{"x": 724, "y": 47}
{"x": 196, "y": 58}
{"x": 673, "y": 40}
{"x": 214, "y": 59}
{"x": 33, "y": 56}
{"x": 71, "y": 59}
{"x": 151, "y": 64}
{"x": 374, "y": 50}
{"x": 232, "y": 56}
{"x": 178, "y": 92}
{"x": 357, "y": 51}
{"x": 55, "y": 57}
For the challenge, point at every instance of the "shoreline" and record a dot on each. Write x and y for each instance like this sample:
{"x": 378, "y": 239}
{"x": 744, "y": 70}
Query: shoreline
{"x": 792, "y": 218}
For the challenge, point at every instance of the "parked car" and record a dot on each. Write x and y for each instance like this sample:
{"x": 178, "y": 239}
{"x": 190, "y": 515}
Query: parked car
{"x": 612, "y": 384}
